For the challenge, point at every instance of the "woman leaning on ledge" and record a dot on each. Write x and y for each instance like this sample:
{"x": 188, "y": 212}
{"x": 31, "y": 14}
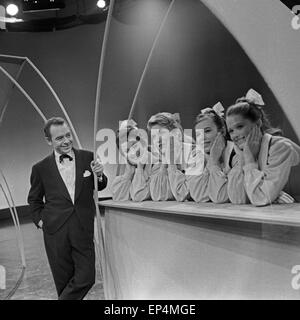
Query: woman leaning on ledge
{"x": 159, "y": 126}
{"x": 133, "y": 183}
{"x": 179, "y": 149}
{"x": 263, "y": 159}
{"x": 168, "y": 180}
{"x": 210, "y": 182}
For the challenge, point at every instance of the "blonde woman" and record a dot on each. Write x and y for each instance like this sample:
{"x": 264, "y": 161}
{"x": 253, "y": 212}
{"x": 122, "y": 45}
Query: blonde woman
{"x": 133, "y": 183}
{"x": 168, "y": 181}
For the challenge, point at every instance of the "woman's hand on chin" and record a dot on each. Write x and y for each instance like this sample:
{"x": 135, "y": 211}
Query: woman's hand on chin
{"x": 217, "y": 149}
{"x": 252, "y": 145}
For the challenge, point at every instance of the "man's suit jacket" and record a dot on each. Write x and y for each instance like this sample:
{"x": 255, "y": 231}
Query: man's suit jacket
{"x": 49, "y": 199}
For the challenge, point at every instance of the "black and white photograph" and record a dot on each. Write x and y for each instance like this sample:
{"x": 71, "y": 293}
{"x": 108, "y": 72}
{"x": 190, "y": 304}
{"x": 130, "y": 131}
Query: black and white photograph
{"x": 149, "y": 151}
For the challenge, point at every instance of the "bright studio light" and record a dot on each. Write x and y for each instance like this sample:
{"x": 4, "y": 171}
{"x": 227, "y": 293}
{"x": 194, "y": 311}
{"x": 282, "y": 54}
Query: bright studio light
{"x": 101, "y": 4}
{"x": 12, "y": 9}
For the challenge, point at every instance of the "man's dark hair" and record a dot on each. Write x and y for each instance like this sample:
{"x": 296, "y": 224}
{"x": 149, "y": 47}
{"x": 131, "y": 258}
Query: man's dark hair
{"x": 55, "y": 121}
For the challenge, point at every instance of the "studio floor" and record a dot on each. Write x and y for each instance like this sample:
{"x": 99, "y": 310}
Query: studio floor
{"x": 37, "y": 283}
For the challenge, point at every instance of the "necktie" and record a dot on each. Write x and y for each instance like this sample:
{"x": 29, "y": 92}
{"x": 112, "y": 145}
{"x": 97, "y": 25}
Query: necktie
{"x": 63, "y": 156}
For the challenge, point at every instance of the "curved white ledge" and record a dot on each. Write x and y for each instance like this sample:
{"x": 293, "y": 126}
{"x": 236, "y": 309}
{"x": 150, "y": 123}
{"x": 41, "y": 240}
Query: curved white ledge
{"x": 287, "y": 214}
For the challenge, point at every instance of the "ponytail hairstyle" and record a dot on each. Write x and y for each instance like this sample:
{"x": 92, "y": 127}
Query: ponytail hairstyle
{"x": 251, "y": 107}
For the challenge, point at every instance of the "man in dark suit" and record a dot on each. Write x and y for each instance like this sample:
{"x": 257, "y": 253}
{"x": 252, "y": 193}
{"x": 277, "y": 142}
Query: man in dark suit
{"x": 61, "y": 203}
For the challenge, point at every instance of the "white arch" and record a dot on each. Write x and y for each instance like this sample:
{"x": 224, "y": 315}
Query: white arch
{"x": 20, "y": 241}
{"x": 264, "y": 30}
{"x": 25, "y": 59}
{"x": 149, "y": 59}
{"x": 27, "y": 96}
{"x": 11, "y": 203}
{"x": 8, "y": 96}
{"x": 100, "y": 237}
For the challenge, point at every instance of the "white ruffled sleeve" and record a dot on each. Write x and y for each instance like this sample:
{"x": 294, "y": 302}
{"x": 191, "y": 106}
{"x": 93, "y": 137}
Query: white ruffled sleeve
{"x": 178, "y": 183}
{"x": 235, "y": 186}
{"x": 140, "y": 186}
{"x": 121, "y": 185}
{"x": 160, "y": 189}
{"x": 264, "y": 186}
{"x": 198, "y": 186}
{"x": 217, "y": 184}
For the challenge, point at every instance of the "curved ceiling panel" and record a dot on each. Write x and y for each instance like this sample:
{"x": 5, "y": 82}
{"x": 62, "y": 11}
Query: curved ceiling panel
{"x": 263, "y": 28}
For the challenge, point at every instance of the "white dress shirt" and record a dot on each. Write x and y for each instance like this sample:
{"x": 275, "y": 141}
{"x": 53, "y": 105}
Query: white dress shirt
{"x": 67, "y": 171}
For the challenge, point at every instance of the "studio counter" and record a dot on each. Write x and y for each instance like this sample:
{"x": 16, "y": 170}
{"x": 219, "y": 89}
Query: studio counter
{"x": 171, "y": 250}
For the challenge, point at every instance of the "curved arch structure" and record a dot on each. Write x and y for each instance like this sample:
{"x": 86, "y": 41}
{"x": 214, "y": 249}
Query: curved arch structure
{"x": 8, "y": 58}
{"x": 27, "y": 96}
{"x": 8, "y": 194}
{"x": 2, "y": 113}
{"x": 99, "y": 230}
{"x": 14, "y": 215}
{"x": 264, "y": 30}
{"x": 149, "y": 59}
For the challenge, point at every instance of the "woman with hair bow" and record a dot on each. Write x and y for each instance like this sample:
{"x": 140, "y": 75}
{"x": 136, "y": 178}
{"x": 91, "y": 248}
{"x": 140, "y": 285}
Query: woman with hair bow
{"x": 169, "y": 148}
{"x": 210, "y": 182}
{"x": 133, "y": 183}
{"x": 263, "y": 160}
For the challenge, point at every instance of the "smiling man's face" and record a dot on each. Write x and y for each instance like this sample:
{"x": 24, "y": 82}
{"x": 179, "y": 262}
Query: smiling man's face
{"x": 61, "y": 138}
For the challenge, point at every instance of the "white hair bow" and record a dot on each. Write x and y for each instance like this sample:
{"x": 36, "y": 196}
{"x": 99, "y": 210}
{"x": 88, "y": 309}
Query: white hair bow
{"x": 217, "y": 108}
{"x": 254, "y": 97}
{"x": 127, "y": 123}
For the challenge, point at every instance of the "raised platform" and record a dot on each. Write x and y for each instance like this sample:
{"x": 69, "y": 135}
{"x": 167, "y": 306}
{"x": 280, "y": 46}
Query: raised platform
{"x": 171, "y": 250}
{"x": 288, "y": 214}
